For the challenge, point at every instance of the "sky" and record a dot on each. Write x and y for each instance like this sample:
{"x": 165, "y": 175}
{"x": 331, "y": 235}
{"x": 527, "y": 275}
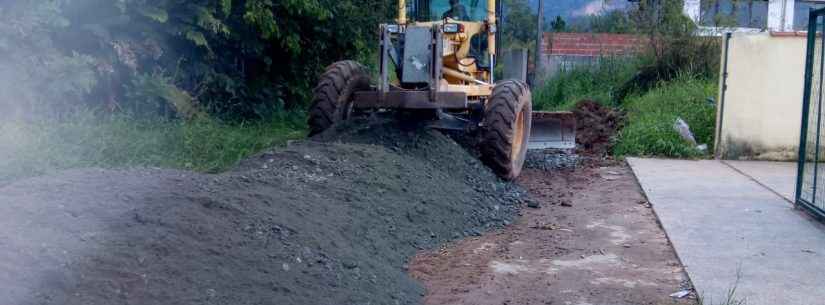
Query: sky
{"x": 578, "y": 8}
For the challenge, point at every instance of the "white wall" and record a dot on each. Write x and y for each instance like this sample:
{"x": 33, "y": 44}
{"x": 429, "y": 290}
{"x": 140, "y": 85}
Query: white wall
{"x": 763, "y": 102}
{"x": 780, "y": 15}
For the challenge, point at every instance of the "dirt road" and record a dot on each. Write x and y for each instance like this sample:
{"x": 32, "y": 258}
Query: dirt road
{"x": 594, "y": 241}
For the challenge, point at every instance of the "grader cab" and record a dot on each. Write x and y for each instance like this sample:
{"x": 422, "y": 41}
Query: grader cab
{"x": 439, "y": 58}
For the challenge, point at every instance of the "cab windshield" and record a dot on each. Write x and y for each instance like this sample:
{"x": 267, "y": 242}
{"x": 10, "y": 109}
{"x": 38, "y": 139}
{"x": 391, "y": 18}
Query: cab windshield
{"x": 437, "y": 10}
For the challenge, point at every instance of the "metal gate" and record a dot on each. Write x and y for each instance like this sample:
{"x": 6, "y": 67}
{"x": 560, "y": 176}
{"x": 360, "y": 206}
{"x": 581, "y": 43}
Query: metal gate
{"x": 810, "y": 184}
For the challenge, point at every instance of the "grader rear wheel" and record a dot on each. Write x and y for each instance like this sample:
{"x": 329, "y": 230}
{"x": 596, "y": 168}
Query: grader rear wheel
{"x": 506, "y": 128}
{"x": 332, "y": 98}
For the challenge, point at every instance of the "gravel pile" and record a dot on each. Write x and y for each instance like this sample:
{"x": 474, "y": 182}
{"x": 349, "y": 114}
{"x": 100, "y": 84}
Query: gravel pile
{"x": 552, "y": 159}
{"x": 331, "y": 220}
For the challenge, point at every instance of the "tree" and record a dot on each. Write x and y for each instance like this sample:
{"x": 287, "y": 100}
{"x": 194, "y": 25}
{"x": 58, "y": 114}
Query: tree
{"x": 673, "y": 48}
{"x": 611, "y": 22}
{"x": 236, "y": 59}
{"x": 519, "y": 28}
{"x": 36, "y": 76}
{"x": 558, "y": 25}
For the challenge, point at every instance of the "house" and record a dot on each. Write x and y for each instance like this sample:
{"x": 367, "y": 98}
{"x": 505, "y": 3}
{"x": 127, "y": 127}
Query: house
{"x": 718, "y": 16}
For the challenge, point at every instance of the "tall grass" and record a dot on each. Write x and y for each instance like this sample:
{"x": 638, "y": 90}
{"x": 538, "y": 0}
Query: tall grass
{"x": 649, "y": 131}
{"x": 38, "y": 147}
{"x": 597, "y": 82}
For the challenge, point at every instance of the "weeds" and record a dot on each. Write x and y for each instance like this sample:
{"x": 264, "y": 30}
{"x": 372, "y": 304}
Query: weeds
{"x": 730, "y": 296}
{"x": 596, "y": 83}
{"x": 34, "y": 148}
{"x": 649, "y": 127}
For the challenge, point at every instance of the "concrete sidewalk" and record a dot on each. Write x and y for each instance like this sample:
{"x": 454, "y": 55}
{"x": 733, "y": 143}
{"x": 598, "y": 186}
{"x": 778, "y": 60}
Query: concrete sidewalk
{"x": 777, "y": 176}
{"x": 732, "y": 232}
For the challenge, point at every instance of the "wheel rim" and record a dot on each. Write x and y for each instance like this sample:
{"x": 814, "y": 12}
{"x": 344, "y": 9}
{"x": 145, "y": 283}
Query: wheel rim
{"x": 518, "y": 137}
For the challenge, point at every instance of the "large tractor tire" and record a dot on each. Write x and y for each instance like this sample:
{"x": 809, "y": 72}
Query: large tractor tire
{"x": 332, "y": 98}
{"x": 505, "y": 130}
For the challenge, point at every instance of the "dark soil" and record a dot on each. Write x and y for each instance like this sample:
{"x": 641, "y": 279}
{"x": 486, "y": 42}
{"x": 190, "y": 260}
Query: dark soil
{"x": 328, "y": 221}
{"x": 597, "y": 126}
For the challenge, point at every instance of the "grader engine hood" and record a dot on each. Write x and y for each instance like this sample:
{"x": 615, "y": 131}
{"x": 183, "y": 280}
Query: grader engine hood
{"x": 415, "y": 52}
{"x": 419, "y": 55}
{"x": 434, "y": 52}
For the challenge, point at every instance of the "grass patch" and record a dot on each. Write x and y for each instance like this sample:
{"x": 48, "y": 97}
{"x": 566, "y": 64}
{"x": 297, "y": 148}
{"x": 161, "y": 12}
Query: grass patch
{"x": 597, "y": 83}
{"x": 650, "y": 118}
{"x": 34, "y": 148}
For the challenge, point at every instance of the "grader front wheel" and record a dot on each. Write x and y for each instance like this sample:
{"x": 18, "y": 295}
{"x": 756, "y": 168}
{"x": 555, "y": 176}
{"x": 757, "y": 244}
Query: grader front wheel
{"x": 332, "y": 98}
{"x": 506, "y": 128}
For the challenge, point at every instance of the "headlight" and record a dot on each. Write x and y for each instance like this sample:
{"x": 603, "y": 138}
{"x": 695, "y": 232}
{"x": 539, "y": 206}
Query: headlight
{"x": 453, "y": 28}
{"x": 393, "y": 28}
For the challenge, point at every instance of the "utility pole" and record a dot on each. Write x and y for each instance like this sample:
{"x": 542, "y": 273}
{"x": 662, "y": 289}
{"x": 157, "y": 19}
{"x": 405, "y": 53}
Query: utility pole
{"x": 539, "y": 45}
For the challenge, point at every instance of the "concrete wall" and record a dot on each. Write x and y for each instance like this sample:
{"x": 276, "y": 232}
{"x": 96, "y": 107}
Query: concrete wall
{"x": 556, "y": 64}
{"x": 763, "y": 102}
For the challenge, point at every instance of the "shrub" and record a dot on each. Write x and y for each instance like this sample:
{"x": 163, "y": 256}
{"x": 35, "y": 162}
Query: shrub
{"x": 697, "y": 57}
{"x": 650, "y": 118}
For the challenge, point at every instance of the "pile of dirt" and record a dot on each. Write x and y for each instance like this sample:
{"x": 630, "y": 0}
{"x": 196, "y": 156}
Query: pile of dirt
{"x": 333, "y": 220}
{"x": 597, "y": 126}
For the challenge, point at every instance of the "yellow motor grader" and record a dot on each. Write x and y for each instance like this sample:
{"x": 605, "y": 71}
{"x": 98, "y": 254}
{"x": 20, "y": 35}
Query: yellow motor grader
{"x": 439, "y": 59}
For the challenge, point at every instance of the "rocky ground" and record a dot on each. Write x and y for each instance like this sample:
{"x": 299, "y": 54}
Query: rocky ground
{"x": 328, "y": 221}
{"x": 336, "y": 220}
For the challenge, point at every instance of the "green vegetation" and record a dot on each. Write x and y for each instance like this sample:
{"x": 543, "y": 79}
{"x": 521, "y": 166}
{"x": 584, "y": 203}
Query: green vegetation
{"x": 519, "y": 27}
{"x": 202, "y": 84}
{"x": 558, "y": 25}
{"x": 648, "y": 128}
{"x": 650, "y": 117}
{"x": 182, "y": 84}
{"x": 671, "y": 78}
{"x": 610, "y": 22}
{"x": 85, "y": 140}
{"x": 598, "y": 83}
{"x": 235, "y": 60}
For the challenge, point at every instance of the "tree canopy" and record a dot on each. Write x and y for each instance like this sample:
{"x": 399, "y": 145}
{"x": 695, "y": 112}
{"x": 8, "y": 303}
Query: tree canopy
{"x": 235, "y": 59}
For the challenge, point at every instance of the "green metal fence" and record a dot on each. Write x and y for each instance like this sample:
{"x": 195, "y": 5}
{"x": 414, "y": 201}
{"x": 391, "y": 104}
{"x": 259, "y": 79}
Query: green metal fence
{"x": 810, "y": 184}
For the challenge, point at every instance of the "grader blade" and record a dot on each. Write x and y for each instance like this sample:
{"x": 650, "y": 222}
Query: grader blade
{"x": 556, "y": 130}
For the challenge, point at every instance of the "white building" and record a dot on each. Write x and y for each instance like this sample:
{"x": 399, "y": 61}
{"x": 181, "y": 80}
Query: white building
{"x": 716, "y": 16}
